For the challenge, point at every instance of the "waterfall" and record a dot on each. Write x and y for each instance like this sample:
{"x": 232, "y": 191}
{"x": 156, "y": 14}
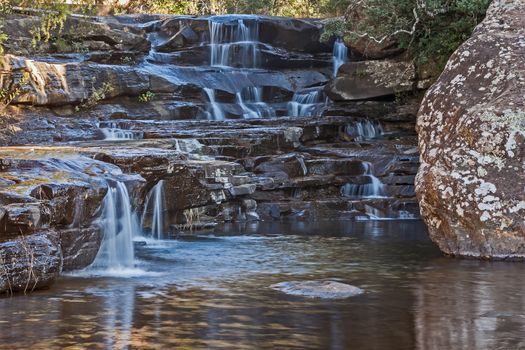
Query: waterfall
{"x": 112, "y": 132}
{"x": 364, "y": 129}
{"x": 339, "y": 55}
{"x": 373, "y": 189}
{"x": 215, "y": 111}
{"x": 307, "y": 102}
{"x": 119, "y": 226}
{"x": 243, "y": 37}
{"x": 188, "y": 145}
{"x": 155, "y": 202}
{"x": 234, "y": 42}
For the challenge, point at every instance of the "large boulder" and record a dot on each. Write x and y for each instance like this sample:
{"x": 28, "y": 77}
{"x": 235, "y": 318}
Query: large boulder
{"x": 29, "y": 263}
{"x": 371, "y": 79}
{"x": 471, "y": 125}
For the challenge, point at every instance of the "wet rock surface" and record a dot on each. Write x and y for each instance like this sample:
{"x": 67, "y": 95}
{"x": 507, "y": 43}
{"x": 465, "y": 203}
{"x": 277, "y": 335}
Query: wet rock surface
{"x": 139, "y": 106}
{"x": 29, "y": 263}
{"x": 472, "y": 136}
{"x": 371, "y": 79}
{"x": 318, "y": 289}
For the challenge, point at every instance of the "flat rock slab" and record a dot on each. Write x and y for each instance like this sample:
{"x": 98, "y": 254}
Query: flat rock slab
{"x": 318, "y": 289}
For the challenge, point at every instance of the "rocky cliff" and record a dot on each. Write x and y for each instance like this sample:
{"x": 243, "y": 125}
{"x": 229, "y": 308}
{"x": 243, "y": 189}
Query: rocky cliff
{"x": 471, "y": 126}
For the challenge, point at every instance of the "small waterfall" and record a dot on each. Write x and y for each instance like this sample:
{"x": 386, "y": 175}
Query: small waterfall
{"x": 215, "y": 111}
{"x": 339, "y": 55}
{"x": 188, "y": 145}
{"x": 119, "y": 226}
{"x": 242, "y": 36}
{"x": 112, "y": 132}
{"x": 155, "y": 204}
{"x": 252, "y": 105}
{"x": 373, "y": 189}
{"x": 364, "y": 129}
{"x": 306, "y": 103}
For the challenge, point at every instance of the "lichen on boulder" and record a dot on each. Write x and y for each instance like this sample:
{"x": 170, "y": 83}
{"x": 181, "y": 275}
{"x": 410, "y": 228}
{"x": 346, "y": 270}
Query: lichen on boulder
{"x": 471, "y": 126}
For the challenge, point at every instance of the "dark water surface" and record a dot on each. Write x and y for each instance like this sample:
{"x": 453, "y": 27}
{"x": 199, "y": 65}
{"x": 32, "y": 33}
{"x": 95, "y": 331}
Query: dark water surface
{"x": 213, "y": 292}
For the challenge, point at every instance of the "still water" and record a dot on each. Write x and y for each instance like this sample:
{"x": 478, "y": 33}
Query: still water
{"x": 212, "y": 291}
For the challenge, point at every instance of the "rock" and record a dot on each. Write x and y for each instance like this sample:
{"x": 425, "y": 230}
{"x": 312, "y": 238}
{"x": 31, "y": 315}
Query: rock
{"x": 76, "y": 31}
{"x": 318, "y": 289}
{"x": 22, "y": 218}
{"x": 185, "y": 36}
{"x": 79, "y": 247}
{"x": 366, "y": 47}
{"x": 292, "y": 34}
{"x": 471, "y": 129}
{"x": 242, "y": 190}
{"x": 371, "y": 79}
{"x": 29, "y": 263}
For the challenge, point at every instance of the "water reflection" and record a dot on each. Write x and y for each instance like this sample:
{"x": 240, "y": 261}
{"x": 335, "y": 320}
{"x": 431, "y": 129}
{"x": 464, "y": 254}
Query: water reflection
{"x": 470, "y": 305}
{"x": 211, "y": 291}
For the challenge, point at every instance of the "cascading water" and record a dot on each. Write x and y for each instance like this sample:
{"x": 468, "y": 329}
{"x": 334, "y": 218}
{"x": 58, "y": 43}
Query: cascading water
{"x": 119, "y": 226}
{"x": 215, "y": 111}
{"x": 252, "y": 105}
{"x": 234, "y": 42}
{"x": 308, "y": 102}
{"x": 364, "y": 129}
{"x": 242, "y": 36}
{"x": 373, "y": 189}
{"x": 339, "y": 55}
{"x": 155, "y": 204}
{"x": 112, "y": 132}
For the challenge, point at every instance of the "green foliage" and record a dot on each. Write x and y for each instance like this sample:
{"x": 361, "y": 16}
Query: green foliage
{"x": 146, "y": 96}
{"x": 292, "y": 8}
{"x": 63, "y": 45}
{"x": 53, "y": 17}
{"x": 15, "y": 88}
{"x": 441, "y": 27}
{"x": 3, "y": 39}
{"x": 97, "y": 94}
{"x": 333, "y": 28}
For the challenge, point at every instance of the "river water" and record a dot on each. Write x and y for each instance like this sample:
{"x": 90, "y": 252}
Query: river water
{"x": 212, "y": 291}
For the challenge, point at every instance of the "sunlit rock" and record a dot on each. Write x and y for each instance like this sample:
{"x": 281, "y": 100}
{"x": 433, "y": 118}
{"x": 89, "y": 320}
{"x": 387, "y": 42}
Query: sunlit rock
{"x": 471, "y": 125}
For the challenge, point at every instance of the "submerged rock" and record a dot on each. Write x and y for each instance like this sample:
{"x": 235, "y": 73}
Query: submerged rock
{"x": 471, "y": 125}
{"x": 318, "y": 289}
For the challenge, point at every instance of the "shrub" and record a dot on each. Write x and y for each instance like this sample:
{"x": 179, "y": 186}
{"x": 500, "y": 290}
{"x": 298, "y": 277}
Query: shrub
{"x": 430, "y": 29}
{"x": 15, "y": 88}
{"x": 146, "y": 96}
{"x": 97, "y": 94}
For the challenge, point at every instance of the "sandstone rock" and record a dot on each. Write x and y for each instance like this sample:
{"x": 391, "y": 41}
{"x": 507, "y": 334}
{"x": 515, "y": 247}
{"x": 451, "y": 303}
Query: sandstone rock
{"x": 22, "y": 218}
{"x": 185, "y": 36}
{"x": 81, "y": 31}
{"x": 242, "y": 190}
{"x": 29, "y": 263}
{"x": 318, "y": 289}
{"x": 79, "y": 246}
{"x": 471, "y": 125}
{"x": 371, "y": 79}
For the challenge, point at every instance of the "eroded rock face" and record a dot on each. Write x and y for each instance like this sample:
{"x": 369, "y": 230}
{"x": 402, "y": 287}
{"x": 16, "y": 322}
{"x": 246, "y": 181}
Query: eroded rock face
{"x": 471, "y": 125}
{"x": 29, "y": 263}
{"x": 371, "y": 79}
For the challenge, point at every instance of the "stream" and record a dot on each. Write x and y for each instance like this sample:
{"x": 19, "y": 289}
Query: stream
{"x": 212, "y": 290}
